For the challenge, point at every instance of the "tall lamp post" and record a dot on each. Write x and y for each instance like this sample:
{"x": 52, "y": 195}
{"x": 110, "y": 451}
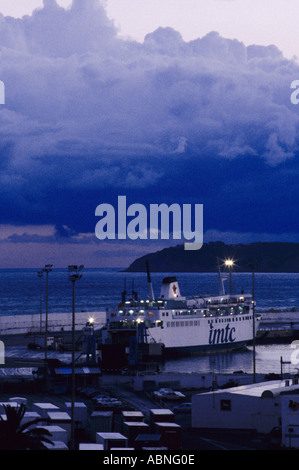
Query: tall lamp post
{"x": 74, "y": 275}
{"x": 253, "y": 266}
{"x": 47, "y": 269}
{"x": 40, "y": 275}
{"x": 229, "y": 263}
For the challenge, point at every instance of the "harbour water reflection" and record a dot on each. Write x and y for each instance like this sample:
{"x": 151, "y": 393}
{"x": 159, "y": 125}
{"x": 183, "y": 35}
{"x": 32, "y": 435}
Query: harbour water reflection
{"x": 267, "y": 361}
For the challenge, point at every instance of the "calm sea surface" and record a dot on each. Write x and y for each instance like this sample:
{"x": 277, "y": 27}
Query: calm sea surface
{"x": 99, "y": 288}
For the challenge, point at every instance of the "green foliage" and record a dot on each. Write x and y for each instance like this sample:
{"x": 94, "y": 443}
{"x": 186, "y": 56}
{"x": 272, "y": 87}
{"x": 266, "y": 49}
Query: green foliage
{"x": 17, "y": 436}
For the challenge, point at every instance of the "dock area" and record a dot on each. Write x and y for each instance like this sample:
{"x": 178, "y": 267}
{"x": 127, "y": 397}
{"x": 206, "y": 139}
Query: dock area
{"x": 21, "y": 376}
{"x": 274, "y": 322}
{"x": 57, "y": 322}
{"x": 278, "y": 325}
{"x": 133, "y": 407}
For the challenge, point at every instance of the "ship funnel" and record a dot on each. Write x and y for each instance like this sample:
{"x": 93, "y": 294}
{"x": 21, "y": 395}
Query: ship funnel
{"x": 150, "y": 286}
{"x": 170, "y": 289}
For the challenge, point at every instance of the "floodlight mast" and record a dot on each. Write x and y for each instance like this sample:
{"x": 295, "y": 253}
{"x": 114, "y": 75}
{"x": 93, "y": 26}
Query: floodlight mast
{"x": 229, "y": 263}
{"x": 253, "y": 264}
{"x": 74, "y": 275}
{"x": 47, "y": 269}
{"x": 40, "y": 274}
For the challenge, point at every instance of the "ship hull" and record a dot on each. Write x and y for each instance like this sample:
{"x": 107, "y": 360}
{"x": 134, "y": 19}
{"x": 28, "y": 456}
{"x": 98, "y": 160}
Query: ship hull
{"x": 187, "y": 351}
{"x": 191, "y": 337}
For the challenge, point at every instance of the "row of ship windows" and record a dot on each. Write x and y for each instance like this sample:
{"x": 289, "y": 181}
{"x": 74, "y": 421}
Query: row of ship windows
{"x": 213, "y": 312}
{"x": 232, "y": 311}
{"x": 197, "y": 322}
{"x": 223, "y": 320}
{"x": 183, "y": 323}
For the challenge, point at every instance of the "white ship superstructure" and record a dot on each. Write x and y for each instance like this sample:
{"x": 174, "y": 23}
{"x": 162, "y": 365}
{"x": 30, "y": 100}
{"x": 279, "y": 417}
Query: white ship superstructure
{"x": 184, "y": 325}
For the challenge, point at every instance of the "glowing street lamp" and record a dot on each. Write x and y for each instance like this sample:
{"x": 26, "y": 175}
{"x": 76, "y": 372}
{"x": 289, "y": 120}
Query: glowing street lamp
{"x": 229, "y": 263}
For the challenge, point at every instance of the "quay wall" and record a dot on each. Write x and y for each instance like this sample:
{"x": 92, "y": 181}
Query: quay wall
{"x": 280, "y": 316}
{"x": 178, "y": 380}
{"x": 27, "y": 324}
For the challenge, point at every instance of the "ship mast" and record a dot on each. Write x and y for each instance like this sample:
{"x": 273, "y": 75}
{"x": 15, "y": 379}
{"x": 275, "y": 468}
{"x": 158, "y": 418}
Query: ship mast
{"x": 150, "y": 286}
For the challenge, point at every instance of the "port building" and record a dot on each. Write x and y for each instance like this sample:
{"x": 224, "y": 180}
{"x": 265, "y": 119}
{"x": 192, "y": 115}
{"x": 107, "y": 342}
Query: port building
{"x": 259, "y": 407}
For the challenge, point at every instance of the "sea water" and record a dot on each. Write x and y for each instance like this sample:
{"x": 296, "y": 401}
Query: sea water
{"x": 101, "y": 288}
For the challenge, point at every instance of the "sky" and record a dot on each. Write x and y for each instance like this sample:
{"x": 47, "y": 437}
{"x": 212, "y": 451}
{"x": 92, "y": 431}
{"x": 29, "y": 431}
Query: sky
{"x": 162, "y": 101}
{"x": 261, "y": 22}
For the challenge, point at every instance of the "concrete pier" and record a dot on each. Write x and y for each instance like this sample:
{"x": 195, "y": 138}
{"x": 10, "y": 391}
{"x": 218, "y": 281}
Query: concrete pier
{"x": 57, "y": 322}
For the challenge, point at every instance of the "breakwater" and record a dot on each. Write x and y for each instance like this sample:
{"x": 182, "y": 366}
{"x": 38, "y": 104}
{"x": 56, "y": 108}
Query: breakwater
{"x": 29, "y": 324}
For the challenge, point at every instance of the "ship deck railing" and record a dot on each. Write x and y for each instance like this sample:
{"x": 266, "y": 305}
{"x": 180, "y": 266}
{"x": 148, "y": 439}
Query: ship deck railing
{"x": 232, "y": 300}
{"x": 127, "y": 319}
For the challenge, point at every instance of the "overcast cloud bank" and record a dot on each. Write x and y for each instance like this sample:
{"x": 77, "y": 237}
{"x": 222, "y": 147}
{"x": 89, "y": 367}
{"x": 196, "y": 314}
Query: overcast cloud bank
{"x": 90, "y": 116}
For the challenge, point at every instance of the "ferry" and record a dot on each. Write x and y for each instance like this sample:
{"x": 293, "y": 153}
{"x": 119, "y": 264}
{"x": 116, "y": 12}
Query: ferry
{"x": 184, "y": 325}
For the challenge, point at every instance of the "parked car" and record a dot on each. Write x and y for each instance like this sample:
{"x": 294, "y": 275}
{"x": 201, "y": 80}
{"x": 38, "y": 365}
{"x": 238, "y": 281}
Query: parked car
{"x": 168, "y": 394}
{"x": 99, "y": 397}
{"x": 105, "y": 400}
{"x": 108, "y": 404}
{"x": 185, "y": 408}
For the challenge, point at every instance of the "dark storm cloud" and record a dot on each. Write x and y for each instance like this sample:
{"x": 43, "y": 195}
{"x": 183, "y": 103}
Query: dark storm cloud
{"x": 89, "y": 116}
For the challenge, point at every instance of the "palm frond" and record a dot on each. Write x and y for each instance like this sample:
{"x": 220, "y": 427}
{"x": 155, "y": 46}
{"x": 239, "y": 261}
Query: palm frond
{"x": 14, "y": 436}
